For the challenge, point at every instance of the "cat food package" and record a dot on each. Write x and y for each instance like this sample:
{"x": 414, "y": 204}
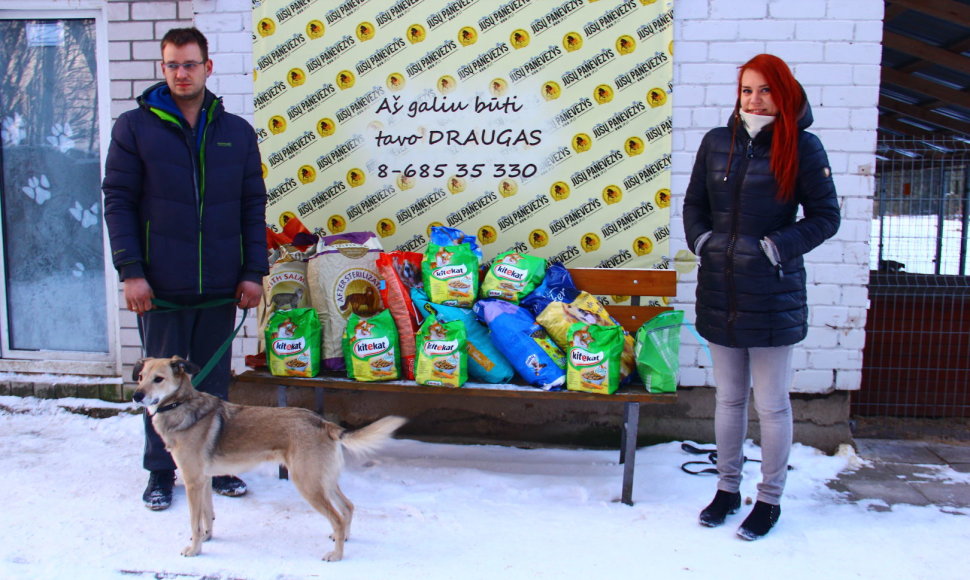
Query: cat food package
{"x": 533, "y": 355}
{"x": 594, "y": 358}
{"x": 556, "y": 286}
{"x": 370, "y": 348}
{"x": 658, "y": 351}
{"x": 441, "y": 359}
{"x": 486, "y": 364}
{"x": 401, "y": 272}
{"x": 342, "y": 278}
{"x": 450, "y": 275}
{"x": 557, "y": 317}
{"x": 445, "y": 236}
{"x": 512, "y": 276}
{"x": 293, "y": 343}
{"x": 284, "y": 287}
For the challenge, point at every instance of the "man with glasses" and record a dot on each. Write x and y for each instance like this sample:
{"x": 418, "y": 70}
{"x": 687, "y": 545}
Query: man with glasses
{"x": 185, "y": 205}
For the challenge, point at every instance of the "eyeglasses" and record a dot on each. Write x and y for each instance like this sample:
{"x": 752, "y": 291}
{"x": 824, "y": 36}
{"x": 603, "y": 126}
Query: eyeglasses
{"x": 187, "y": 66}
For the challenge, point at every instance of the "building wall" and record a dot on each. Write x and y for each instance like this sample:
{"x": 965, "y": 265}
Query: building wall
{"x": 833, "y": 47}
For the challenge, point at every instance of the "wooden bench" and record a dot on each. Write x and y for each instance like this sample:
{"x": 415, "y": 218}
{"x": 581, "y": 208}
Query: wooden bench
{"x": 635, "y": 283}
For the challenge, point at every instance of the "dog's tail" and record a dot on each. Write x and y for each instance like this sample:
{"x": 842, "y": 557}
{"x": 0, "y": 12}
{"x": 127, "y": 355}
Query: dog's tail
{"x": 370, "y": 438}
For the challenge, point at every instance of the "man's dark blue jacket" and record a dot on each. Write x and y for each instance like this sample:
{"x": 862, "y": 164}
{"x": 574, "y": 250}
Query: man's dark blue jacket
{"x": 185, "y": 210}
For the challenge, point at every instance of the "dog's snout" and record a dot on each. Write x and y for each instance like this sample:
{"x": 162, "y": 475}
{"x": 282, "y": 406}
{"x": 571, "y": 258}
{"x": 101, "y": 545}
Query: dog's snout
{"x": 138, "y": 396}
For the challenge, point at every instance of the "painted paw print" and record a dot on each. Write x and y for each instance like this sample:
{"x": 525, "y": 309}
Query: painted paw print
{"x": 78, "y": 270}
{"x": 38, "y": 189}
{"x": 60, "y": 137}
{"x": 13, "y": 131}
{"x": 87, "y": 217}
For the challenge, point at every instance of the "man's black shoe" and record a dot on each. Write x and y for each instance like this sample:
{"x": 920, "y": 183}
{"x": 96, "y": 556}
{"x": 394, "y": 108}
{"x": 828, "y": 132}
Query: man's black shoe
{"x": 228, "y": 485}
{"x": 158, "y": 494}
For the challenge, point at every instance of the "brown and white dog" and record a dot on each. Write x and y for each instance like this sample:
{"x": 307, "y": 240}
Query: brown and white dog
{"x": 208, "y": 436}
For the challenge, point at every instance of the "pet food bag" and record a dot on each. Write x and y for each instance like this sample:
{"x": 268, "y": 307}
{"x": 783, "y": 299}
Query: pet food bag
{"x": 556, "y": 286}
{"x": 525, "y": 344}
{"x": 658, "y": 351}
{"x": 594, "y": 358}
{"x": 293, "y": 343}
{"x": 445, "y": 236}
{"x": 401, "y": 272}
{"x": 486, "y": 364}
{"x": 370, "y": 348}
{"x": 512, "y": 276}
{"x": 441, "y": 359}
{"x": 343, "y": 279}
{"x": 450, "y": 275}
{"x": 557, "y": 317}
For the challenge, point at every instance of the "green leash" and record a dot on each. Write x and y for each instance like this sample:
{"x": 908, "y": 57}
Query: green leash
{"x": 165, "y": 305}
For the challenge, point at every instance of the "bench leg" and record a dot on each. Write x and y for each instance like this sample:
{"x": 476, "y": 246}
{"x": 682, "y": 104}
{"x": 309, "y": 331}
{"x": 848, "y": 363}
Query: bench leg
{"x": 281, "y": 402}
{"x": 628, "y": 448}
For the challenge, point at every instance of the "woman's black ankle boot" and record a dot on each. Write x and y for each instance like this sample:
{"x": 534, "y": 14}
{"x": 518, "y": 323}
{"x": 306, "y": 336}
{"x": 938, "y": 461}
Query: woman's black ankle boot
{"x": 724, "y": 503}
{"x": 760, "y": 521}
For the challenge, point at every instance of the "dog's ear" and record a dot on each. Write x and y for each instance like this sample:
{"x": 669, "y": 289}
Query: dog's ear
{"x": 180, "y": 365}
{"x": 136, "y": 370}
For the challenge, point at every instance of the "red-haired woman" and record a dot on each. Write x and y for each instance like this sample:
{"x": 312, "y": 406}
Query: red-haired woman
{"x": 740, "y": 219}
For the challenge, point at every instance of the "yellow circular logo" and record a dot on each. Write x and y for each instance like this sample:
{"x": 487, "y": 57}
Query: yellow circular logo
{"x": 404, "y": 182}
{"x": 519, "y": 38}
{"x": 559, "y": 190}
{"x": 467, "y": 35}
{"x": 365, "y": 31}
{"x": 277, "y": 124}
{"x": 662, "y": 198}
{"x": 633, "y": 146}
{"x": 590, "y": 242}
{"x": 625, "y": 44}
{"x": 612, "y": 194}
{"x": 456, "y": 184}
{"x": 603, "y": 94}
{"x": 326, "y": 127}
{"x": 572, "y": 41}
{"x": 538, "y": 238}
{"x": 264, "y": 170}
{"x": 415, "y": 33}
{"x": 315, "y": 29}
{"x": 581, "y": 142}
{"x": 266, "y": 27}
{"x": 285, "y": 217}
{"x": 345, "y": 79}
{"x": 356, "y": 177}
{"x": 487, "y": 234}
{"x": 551, "y": 91}
{"x": 306, "y": 174}
{"x": 656, "y": 97}
{"x": 642, "y": 246}
{"x": 446, "y": 84}
{"x": 498, "y": 87}
{"x": 395, "y": 81}
{"x": 296, "y": 77}
{"x": 670, "y": 48}
{"x": 337, "y": 223}
{"x": 433, "y": 225}
{"x": 508, "y": 187}
{"x": 386, "y": 227}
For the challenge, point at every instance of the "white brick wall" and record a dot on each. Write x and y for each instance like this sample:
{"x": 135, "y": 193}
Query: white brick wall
{"x": 834, "y": 49}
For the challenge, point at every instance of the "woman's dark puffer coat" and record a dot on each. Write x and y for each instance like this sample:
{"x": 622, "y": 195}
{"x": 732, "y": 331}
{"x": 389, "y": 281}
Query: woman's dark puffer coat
{"x": 743, "y": 300}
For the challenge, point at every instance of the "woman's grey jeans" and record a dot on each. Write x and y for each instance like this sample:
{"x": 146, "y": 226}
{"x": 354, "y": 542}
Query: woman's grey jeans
{"x": 768, "y": 372}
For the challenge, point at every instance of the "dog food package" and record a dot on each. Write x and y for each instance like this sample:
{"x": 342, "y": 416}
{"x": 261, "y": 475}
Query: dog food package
{"x": 486, "y": 364}
{"x": 450, "y": 275}
{"x": 293, "y": 343}
{"x": 556, "y": 286}
{"x": 533, "y": 355}
{"x": 557, "y": 317}
{"x": 658, "y": 351}
{"x": 512, "y": 276}
{"x": 441, "y": 359}
{"x": 342, "y": 278}
{"x": 370, "y": 348}
{"x": 594, "y": 358}
{"x": 400, "y": 273}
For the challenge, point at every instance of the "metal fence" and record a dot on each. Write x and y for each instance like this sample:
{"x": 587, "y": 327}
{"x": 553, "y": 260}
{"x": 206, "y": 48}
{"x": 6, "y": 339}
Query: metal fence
{"x": 917, "y": 352}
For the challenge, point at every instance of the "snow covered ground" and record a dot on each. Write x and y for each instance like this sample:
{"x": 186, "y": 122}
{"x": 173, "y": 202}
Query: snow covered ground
{"x": 72, "y": 509}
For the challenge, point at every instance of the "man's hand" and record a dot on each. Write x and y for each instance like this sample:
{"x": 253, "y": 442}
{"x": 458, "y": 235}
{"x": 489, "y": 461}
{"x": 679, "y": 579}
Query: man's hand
{"x": 138, "y": 295}
{"x": 249, "y": 294}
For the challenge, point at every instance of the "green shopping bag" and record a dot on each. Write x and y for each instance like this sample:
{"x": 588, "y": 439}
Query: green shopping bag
{"x": 657, "y": 351}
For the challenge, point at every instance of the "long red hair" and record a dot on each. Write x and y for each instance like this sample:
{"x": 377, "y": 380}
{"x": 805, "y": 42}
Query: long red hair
{"x": 788, "y": 96}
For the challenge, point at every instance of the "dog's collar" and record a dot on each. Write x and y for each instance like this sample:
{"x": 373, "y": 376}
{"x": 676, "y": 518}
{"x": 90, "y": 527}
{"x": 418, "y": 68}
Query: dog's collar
{"x": 167, "y": 407}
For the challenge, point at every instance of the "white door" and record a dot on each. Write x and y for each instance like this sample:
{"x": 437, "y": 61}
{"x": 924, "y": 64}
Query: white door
{"x": 54, "y": 286}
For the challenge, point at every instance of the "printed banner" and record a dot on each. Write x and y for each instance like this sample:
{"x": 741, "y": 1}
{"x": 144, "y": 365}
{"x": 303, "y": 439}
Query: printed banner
{"x": 542, "y": 126}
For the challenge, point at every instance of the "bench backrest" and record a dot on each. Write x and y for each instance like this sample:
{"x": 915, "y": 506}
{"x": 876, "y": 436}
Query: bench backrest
{"x": 631, "y": 282}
